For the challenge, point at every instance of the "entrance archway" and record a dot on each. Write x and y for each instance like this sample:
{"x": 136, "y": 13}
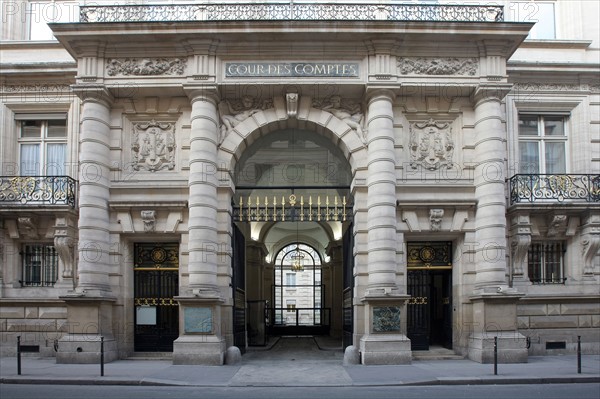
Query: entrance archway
{"x": 292, "y": 197}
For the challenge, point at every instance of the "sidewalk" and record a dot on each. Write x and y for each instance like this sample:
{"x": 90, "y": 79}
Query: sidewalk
{"x": 309, "y": 372}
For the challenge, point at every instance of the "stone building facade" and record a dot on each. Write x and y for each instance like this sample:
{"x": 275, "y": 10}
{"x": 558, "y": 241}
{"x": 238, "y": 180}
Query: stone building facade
{"x": 443, "y": 167}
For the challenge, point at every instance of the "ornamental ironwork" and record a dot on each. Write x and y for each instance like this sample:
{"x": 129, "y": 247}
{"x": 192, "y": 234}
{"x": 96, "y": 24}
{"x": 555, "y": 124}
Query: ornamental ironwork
{"x": 532, "y": 188}
{"x": 292, "y": 11}
{"x": 292, "y": 208}
{"x": 38, "y": 190}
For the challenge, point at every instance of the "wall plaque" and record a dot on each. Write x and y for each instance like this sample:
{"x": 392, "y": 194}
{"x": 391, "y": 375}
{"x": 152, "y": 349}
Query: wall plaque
{"x": 198, "y": 320}
{"x": 291, "y": 69}
{"x": 386, "y": 319}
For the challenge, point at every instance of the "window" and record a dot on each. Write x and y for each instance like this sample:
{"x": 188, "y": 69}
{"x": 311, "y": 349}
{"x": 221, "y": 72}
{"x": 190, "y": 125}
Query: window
{"x": 291, "y": 305}
{"x": 545, "y": 262}
{"x": 538, "y": 12}
{"x": 41, "y": 13}
{"x": 542, "y": 142}
{"x": 40, "y": 265}
{"x": 42, "y": 144}
{"x": 290, "y": 279}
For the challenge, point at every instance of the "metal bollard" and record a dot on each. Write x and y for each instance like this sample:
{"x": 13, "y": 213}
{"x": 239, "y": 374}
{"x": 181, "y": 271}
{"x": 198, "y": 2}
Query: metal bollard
{"x": 579, "y": 354}
{"x": 102, "y": 356}
{"x": 19, "y": 355}
{"x": 495, "y": 355}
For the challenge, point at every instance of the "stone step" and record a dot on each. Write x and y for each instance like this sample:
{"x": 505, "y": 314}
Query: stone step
{"x": 151, "y": 356}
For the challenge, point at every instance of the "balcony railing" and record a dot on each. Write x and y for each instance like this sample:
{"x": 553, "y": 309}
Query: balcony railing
{"x": 37, "y": 190}
{"x": 532, "y": 188}
{"x": 290, "y": 11}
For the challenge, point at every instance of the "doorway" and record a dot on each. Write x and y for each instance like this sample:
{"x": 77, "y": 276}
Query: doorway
{"x": 429, "y": 283}
{"x": 156, "y": 282}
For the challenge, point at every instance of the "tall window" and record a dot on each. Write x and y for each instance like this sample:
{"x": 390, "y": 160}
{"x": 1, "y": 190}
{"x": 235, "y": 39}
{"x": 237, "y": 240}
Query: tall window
{"x": 542, "y": 142}
{"x": 546, "y": 263}
{"x": 42, "y": 145}
{"x": 40, "y": 265}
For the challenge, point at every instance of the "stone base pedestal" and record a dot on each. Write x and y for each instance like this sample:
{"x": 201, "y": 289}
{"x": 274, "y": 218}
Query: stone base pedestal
{"x": 385, "y": 349}
{"x": 201, "y": 349}
{"x": 201, "y": 340}
{"x": 88, "y": 319}
{"x": 385, "y": 341}
{"x": 512, "y": 347}
{"x": 495, "y": 315}
{"x": 85, "y": 349}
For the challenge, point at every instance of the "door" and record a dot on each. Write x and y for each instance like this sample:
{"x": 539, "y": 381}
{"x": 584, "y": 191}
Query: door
{"x": 429, "y": 309}
{"x": 156, "y": 282}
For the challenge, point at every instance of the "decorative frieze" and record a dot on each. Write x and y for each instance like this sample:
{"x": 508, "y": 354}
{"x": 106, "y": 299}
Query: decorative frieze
{"x": 542, "y": 86}
{"x": 145, "y": 67}
{"x": 431, "y": 144}
{"x": 153, "y": 146}
{"x": 438, "y": 66}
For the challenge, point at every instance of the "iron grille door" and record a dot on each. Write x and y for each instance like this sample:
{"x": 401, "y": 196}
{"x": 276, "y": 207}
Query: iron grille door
{"x": 418, "y": 309}
{"x": 156, "y": 282}
{"x": 239, "y": 289}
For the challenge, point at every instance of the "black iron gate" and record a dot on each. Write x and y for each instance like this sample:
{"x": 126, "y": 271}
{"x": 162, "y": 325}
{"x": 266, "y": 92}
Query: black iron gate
{"x": 418, "y": 309}
{"x": 239, "y": 289}
{"x": 348, "y": 277}
{"x": 156, "y": 282}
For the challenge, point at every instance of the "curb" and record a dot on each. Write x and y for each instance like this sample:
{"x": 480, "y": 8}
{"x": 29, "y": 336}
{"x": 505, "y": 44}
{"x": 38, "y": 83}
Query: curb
{"x": 457, "y": 381}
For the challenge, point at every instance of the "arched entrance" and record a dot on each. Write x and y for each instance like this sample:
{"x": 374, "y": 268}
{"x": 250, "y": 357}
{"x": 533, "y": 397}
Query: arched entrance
{"x": 292, "y": 208}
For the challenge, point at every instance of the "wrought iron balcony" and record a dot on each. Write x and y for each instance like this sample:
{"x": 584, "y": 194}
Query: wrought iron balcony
{"x": 37, "y": 190}
{"x": 290, "y": 11}
{"x": 532, "y": 188}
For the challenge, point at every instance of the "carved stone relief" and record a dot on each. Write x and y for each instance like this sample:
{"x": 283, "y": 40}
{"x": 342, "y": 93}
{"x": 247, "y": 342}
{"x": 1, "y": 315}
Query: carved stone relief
{"x": 431, "y": 144}
{"x": 149, "y": 219}
{"x": 438, "y": 66}
{"x": 65, "y": 242}
{"x": 145, "y": 67}
{"x": 28, "y": 228}
{"x": 590, "y": 243}
{"x": 519, "y": 244}
{"x": 233, "y": 112}
{"x": 557, "y": 225}
{"x": 435, "y": 219}
{"x": 153, "y": 146}
{"x": 346, "y": 110}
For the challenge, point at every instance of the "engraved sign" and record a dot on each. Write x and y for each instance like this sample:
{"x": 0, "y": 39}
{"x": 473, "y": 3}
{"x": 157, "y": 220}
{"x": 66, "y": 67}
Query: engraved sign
{"x": 291, "y": 69}
{"x": 198, "y": 320}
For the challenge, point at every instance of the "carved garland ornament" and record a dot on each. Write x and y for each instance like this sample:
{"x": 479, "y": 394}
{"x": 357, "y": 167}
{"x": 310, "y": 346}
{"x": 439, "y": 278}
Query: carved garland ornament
{"x": 145, "y": 67}
{"x": 431, "y": 144}
{"x": 153, "y": 146}
{"x": 438, "y": 66}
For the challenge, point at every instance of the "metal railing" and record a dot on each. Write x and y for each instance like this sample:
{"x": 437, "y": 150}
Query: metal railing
{"x": 38, "y": 190}
{"x": 558, "y": 187}
{"x": 289, "y": 11}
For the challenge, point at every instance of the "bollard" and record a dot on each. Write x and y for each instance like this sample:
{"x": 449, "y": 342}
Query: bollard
{"x": 495, "y": 355}
{"x": 19, "y": 355}
{"x": 102, "y": 356}
{"x": 579, "y": 354}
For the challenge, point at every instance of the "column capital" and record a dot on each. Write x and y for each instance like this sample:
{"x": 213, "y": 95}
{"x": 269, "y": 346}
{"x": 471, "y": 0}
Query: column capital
{"x": 379, "y": 93}
{"x": 490, "y": 91}
{"x": 94, "y": 93}
{"x": 202, "y": 92}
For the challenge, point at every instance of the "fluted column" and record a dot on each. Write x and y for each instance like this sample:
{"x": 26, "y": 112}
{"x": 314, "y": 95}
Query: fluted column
{"x": 381, "y": 202}
{"x": 94, "y": 185}
{"x": 490, "y": 223}
{"x": 202, "y": 225}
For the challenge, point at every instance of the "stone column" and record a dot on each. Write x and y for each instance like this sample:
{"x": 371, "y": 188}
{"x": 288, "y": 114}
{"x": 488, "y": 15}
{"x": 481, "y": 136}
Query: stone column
{"x": 200, "y": 339}
{"x": 383, "y": 342}
{"x": 89, "y": 306}
{"x": 381, "y": 201}
{"x": 494, "y": 303}
{"x": 202, "y": 224}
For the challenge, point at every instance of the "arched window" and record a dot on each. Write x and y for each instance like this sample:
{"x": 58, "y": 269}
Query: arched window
{"x": 298, "y": 287}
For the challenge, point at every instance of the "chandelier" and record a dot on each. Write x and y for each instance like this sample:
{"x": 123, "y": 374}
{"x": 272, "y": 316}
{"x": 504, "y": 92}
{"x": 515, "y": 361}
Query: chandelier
{"x": 297, "y": 261}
